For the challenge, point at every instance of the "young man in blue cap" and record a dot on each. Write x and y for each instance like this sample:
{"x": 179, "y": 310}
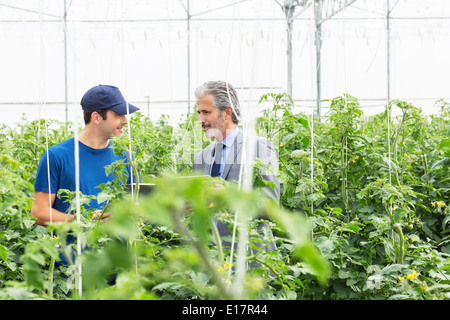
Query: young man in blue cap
{"x": 105, "y": 113}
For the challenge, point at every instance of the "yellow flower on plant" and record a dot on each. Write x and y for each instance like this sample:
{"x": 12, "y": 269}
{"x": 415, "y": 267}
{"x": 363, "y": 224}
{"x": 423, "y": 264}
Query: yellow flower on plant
{"x": 440, "y": 203}
{"x": 357, "y": 157}
{"x": 405, "y": 155}
{"x": 55, "y": 238}
{"x": 227, "y": 265}
{"x": 400, "y": 278}
{"x": 221, "y": 270}
{"x": 413, "y": 275}
{"x": 413, "y": 156}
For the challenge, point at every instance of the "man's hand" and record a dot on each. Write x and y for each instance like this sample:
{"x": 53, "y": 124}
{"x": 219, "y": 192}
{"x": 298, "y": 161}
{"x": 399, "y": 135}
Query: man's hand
{"x": 103, "y": 216}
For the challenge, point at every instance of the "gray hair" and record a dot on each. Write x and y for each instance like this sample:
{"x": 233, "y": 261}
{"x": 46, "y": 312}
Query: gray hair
{"x": 224, "y": 96}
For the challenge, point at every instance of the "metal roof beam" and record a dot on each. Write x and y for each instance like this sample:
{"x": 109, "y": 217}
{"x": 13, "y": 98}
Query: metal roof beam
{"x": 329, "y": 8}
{"x": 30, "y": 11}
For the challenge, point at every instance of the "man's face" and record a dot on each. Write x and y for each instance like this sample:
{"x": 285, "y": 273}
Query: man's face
{"x": 213, "y": 121}
{"x": 112, "y": 126}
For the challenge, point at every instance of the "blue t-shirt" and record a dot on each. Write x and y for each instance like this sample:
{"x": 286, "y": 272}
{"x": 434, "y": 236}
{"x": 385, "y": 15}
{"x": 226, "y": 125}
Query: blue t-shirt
{"x": 92, "y": 164}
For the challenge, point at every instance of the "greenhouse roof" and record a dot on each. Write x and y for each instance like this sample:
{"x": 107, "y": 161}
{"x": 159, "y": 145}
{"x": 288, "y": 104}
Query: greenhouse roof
{"x": 157, "y": 52}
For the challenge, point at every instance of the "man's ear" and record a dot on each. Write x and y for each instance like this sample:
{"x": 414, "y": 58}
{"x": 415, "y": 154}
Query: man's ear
{"x": 95, "y": 117}
{"x": 229, "y": 112}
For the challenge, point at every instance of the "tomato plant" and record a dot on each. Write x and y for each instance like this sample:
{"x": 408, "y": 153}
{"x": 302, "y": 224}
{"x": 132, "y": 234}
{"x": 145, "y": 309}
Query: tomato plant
{"x": 363, "y": 212}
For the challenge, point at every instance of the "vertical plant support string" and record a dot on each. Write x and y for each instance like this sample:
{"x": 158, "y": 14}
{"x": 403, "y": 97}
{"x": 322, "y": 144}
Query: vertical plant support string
{"x": 245, "y": 183}
{"x": 133, "y": 168}
{"x": 78, "y": 272}
{"x": 41, "y": 103}
{"x": 312, "y": 126}
{"x": 233, "y": 237}
{"x": 78, "y": 267}
{"x": 48, "y": 174}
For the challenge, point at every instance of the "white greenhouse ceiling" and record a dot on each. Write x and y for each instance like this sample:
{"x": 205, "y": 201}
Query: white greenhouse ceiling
{"x": 158, "y": 51}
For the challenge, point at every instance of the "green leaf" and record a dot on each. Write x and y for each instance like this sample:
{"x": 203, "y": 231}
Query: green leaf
{"x": 440, "y": 163}
{"x": 3, "y": 253}
{"x": 445, "y": 143}
{"x": 297, "y": 227}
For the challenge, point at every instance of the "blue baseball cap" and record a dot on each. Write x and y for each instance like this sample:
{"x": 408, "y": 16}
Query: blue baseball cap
{"x": 106, "y": 97}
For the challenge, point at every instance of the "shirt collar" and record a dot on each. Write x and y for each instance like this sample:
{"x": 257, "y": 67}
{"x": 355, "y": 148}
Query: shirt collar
{"x": 231, "y": 137}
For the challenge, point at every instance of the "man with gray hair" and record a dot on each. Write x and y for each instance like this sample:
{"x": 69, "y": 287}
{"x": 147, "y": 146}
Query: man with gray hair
{"x": 219, "y": 113}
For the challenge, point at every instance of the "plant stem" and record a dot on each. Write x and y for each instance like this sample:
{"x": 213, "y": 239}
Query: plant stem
{"x": 401, "y": 249}
{"x": 203, "y": 254}
{"x": 50, "y": 275}
{"x": 241, "y": 256}
{"x": 134, "y": 172}
{"x": 277, "y": 274}
{"x": 397, "y": 136}
{"x": 398, "y": 229}
{"x": 217, "y": 240}
{"x": 344, "y": 174}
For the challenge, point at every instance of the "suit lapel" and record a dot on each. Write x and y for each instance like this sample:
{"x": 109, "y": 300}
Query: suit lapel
{"x": 234, "y": 157}
{"x": 208, "y": 155}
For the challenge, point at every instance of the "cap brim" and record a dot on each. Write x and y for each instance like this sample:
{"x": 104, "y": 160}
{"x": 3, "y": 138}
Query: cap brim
{"x": 122, "y": 108}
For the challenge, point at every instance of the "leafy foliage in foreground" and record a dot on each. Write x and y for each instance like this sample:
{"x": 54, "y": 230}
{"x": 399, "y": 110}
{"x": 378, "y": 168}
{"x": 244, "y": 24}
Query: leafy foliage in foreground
{"x": 363, "y": 214}
{"x": 377, "y": 190}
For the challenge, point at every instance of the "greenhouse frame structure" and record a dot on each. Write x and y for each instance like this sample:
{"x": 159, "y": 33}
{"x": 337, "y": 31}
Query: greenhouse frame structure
{"x": 322, "y": 11}
{"x": 318, "y": 12}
